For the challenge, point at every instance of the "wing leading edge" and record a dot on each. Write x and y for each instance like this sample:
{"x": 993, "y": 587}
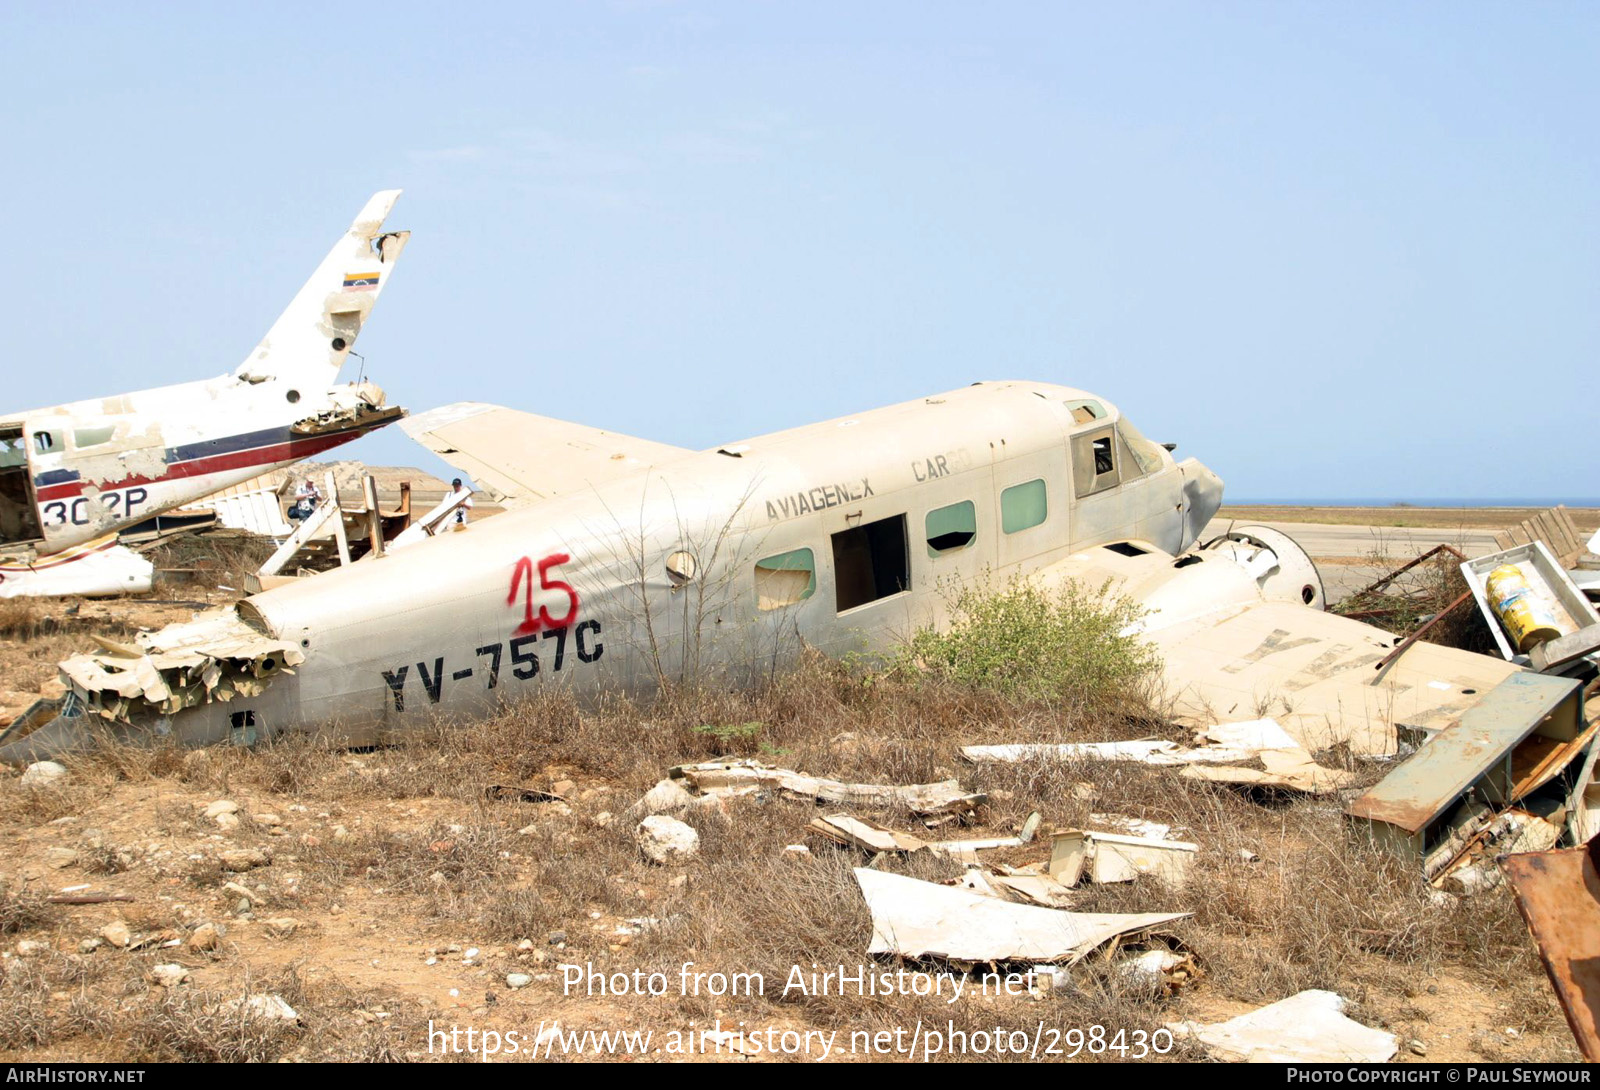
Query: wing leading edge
{"x": 518, "y": 458}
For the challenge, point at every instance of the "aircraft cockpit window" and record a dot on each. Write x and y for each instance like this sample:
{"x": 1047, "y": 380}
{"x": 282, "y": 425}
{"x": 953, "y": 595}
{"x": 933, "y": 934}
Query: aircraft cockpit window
{"x": 1094, "y": 463}
{"x": 1147, "y": 454}
{"x": 43, "y": 442}
{"x": 1023, "y": 506}
{"x": 1086, "y": 411}
{"x": 871, "y": 562}
{"x": 951, "y": 528}
{"x": 785, "y": 579}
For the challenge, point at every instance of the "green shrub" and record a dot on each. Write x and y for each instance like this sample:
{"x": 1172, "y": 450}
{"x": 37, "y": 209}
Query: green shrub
{"x": 1026, "y": 642}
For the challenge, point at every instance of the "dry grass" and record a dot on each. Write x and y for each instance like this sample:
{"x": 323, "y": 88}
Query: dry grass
{"x": 413, "y": 834}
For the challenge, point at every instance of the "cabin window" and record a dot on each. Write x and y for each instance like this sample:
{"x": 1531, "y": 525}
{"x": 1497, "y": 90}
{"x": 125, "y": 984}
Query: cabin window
{"x": 681, "y": 567}
{"x": 1094, "y": 462}
{"x": 92, "y": 437}
{"x": 785, "y": 579}
{"x": 1023, "y": 506}
{"x": 871, "y": 562}
{"x": 43, "y": 442}
{"x": 952, "y": 528}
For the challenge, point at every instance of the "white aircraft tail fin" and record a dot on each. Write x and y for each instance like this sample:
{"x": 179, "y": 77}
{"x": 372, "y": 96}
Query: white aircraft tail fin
{"x": 308, "y": 343}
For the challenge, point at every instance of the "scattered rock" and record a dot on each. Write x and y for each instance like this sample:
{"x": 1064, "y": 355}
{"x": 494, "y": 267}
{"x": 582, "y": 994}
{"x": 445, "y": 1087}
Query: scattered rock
{"x": 664, "y": 839}
{"x": 169, "y": 976}
{"x": 604, "y": 819}
{"x": 557, "y": 938}
{"x": 666, "y": 797}
{"x": 42, "y": 772}
{"x": 266, "y": 820}
{"x": 235, "y": 889}
{"x": 1248, "y": 856}
{"x": 60, "y": 857}
{"x": 220, "y": 807}
{"x": 240, "y": 859}
{"x": 116, "y": 933}
{"x": 32, "y": 948}
{"x": 563, "y": 787}
{"x": 518, "y": 980}
{"x": 266, "y": 1006}
{"x": 281, "y": 927}
{"x": 1417, "y": 1047}
{"x": 89, "y": 946}
{"x": 204, "y": 937}
{"x": 227, "y": 822}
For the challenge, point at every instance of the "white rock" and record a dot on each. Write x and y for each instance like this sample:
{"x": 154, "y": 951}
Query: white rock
{"x": 227, "y": 822}
{"x": 169, "y": 976}
{"x": 262, "y": 1005}
{"x": 221, "y": 806}
{"x": 665, "y": 797}
{"x": 518, "y": 980}
{"x": 60, "y": 857}
{"x": 42, "y": 772}
{"x": 116, "y": 933}
{"x": 666, "y": 840}
{"x": 32, "y": 948}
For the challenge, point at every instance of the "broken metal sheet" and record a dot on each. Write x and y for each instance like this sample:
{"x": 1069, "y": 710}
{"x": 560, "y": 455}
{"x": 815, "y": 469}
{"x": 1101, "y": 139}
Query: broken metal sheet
{"x": 214, "y": 657}
{"x": 870, "y": 836}
{"x": 1309, "y": 1027}
{"x": 943, "y": 797}
{"x": 1288, "y": 770}
{"x": 95, "y": 568}
{"x": 1230, "y": 654}
{"x": 913, "y": 919}
{"x": 1284, "y": 763}
{"x": 518, "y": 458}
{"x": 1111, "y": 857}
{"x": 867, "y": 835}
{"x": 1408, "y": 809}
{"x": 1558, "y": 893}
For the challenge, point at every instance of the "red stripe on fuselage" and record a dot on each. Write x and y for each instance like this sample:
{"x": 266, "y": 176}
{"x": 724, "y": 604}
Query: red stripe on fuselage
{"x": 292, "y": 451}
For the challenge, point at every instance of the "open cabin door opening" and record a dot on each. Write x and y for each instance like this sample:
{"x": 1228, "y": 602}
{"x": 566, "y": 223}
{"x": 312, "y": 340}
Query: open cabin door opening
{"x": 19, "y": 514}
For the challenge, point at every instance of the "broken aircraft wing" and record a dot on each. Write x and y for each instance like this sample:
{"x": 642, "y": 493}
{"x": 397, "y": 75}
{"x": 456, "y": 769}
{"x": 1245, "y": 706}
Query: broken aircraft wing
{"x": 518, "y": 458}
{"x": 1231, "y": 654}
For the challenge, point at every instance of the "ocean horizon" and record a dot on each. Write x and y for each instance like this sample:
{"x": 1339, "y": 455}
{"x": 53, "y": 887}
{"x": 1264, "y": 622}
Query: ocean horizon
{"x": 1392, "y": 501}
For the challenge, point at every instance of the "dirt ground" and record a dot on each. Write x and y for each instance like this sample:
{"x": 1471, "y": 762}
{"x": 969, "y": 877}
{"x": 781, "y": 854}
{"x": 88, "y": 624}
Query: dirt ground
{"x": 392, "y": 896}
{"x": 1587, "y": 519}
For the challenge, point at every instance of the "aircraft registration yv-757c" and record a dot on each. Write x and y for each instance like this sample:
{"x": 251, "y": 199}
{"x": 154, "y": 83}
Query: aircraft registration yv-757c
{"x": 73, "y": 475}
{"x": 623, "y": 563}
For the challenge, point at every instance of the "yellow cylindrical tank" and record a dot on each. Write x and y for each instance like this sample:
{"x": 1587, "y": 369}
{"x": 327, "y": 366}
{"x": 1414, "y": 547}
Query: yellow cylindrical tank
{"x": 1524, "y": 613}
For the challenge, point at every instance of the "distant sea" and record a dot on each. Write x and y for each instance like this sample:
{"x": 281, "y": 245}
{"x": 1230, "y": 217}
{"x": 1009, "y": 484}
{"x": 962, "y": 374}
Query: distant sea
{"x": 1445, "y": 501}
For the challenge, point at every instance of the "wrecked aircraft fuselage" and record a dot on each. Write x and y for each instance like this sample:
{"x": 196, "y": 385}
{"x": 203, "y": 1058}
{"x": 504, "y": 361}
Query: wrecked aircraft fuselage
{"x": 77, "y": 473}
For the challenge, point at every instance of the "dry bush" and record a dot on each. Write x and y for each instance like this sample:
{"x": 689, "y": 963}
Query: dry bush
{"x": 21, "y": 909}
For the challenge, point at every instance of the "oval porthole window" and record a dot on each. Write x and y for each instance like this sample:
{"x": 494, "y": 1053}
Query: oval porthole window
{"x": 680, "y": 567}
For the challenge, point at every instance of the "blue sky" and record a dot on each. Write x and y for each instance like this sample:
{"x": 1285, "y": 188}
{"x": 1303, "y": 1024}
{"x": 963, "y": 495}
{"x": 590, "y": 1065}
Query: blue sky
{"x": 1331, "y": 250}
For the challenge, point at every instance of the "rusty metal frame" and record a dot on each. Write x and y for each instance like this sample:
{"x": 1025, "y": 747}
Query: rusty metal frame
{"x": 1558, "y": 894}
